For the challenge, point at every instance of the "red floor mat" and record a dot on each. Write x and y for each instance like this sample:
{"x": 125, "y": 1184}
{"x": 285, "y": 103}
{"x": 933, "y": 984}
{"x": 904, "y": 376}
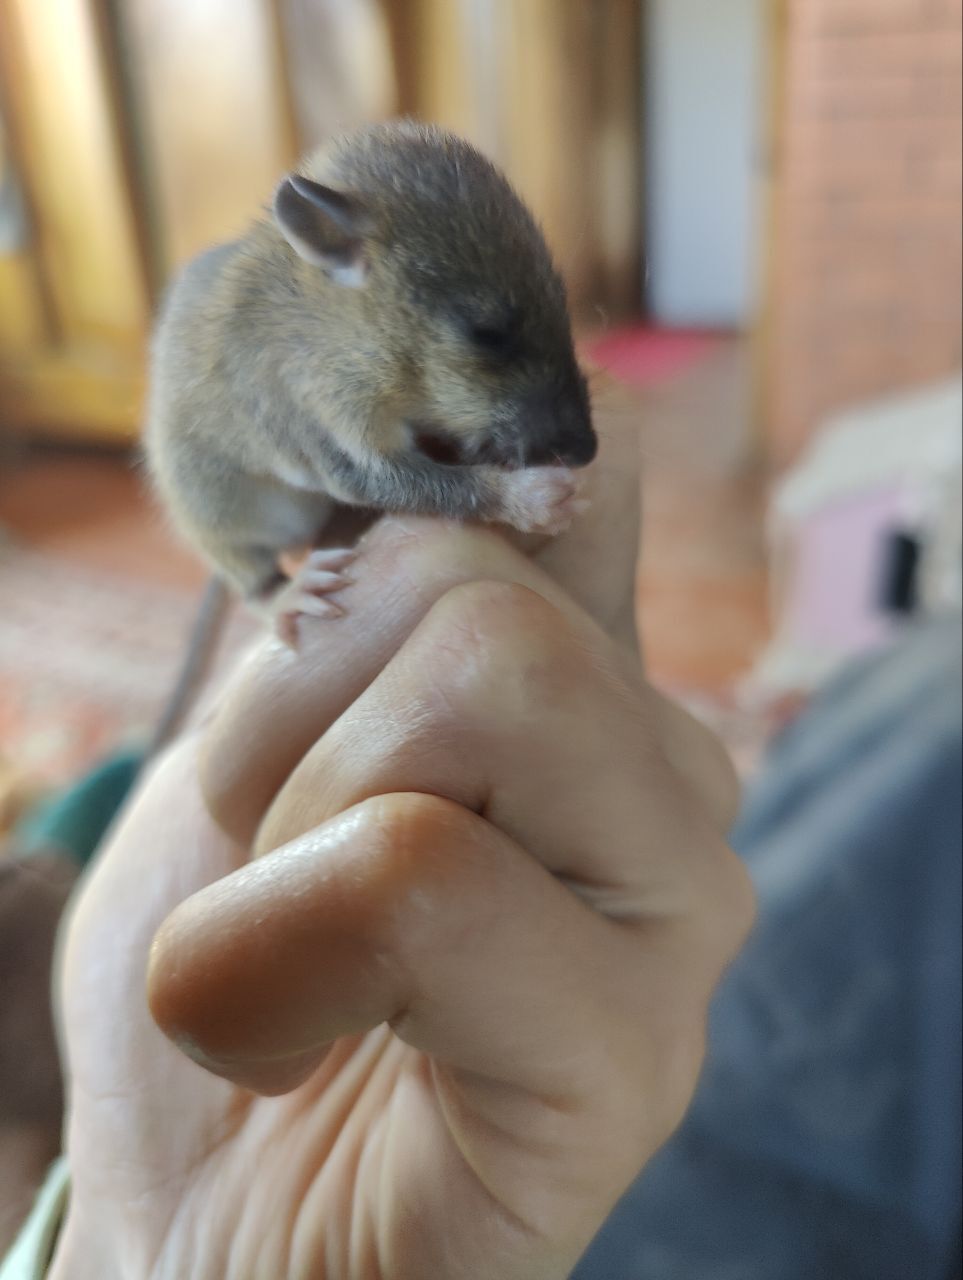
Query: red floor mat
{"x": 641, "y": 356}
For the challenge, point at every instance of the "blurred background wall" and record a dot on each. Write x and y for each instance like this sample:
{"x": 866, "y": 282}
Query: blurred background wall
{"x": 786, "y": 168}
{"x": 864, "y": 280}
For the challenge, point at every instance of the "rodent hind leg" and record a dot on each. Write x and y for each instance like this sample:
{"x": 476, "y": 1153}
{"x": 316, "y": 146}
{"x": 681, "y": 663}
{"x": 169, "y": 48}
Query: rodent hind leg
{"x": 253, "y": 571}
{"x": 308, "y": 593}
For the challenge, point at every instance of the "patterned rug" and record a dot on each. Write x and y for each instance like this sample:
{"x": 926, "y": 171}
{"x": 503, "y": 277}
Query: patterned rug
{"x": 87, "y": 660}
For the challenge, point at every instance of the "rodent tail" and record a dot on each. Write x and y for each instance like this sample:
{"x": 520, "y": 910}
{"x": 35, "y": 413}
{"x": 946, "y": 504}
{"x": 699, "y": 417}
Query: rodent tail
{"x": 198, "y": 658}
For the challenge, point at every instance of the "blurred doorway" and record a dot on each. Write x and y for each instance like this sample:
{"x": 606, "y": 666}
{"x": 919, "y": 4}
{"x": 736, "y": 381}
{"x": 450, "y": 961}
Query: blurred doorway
{"x": 703, "y": 117}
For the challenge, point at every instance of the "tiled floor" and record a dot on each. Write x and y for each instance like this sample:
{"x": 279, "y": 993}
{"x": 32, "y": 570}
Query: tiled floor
{"x": 702, "y": 583}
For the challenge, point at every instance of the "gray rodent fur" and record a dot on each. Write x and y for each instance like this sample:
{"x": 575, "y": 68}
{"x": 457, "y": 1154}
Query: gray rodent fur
{"x": 394, "y": 338}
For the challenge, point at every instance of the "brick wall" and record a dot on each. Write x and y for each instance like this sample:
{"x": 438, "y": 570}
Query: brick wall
{"x": 865, "y": 288}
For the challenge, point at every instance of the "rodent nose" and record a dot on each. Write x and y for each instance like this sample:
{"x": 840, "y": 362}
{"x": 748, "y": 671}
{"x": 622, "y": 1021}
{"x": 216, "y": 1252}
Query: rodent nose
{"x": 578, "y": 447}
{"x": 559, "y": 430}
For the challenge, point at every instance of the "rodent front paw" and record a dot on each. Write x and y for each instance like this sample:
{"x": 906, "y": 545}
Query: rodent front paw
{"x": 542, "y": 499}
{"x": 309, "y": 592}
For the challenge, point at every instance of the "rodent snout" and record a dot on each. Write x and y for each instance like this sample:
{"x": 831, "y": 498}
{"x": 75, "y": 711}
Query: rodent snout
{"x": 558, "y": 429}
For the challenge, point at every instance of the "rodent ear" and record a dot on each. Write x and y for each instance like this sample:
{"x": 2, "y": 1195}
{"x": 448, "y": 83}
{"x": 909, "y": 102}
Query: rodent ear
{"x": 325, "y": 227}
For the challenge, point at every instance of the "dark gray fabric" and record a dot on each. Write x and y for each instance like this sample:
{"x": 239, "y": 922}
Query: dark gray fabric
{"x": 825, "y": 1138}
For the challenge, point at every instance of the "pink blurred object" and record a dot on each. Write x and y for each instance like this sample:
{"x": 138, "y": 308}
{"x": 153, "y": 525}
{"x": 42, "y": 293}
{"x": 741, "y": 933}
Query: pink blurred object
{"x": 885, "y": 471}
{"x": 641, "y": 356}
{"x": 833, "y": 603}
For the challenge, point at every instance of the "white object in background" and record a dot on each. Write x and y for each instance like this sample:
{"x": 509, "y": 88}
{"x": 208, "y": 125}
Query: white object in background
{"x": 702, "y": 120}
{"x": 894, "y": 467}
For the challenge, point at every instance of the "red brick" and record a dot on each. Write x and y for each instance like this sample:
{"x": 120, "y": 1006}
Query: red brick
{"x": 869, "y": 55}
{"x": 849, "y": 17}
{"x": 933, "y": 98}
{"x": 866, "y": 285}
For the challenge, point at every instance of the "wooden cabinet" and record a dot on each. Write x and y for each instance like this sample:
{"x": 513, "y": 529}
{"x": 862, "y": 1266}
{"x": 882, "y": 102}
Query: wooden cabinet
{"x": 135, "y": 132}
{"x": 75, "y": 295}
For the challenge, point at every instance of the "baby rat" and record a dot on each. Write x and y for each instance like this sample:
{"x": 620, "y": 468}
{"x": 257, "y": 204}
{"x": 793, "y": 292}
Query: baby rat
{"x": 395, "y": 338}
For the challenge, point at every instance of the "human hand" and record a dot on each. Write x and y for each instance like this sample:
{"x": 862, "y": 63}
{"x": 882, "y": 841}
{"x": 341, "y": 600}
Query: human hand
{"x": 448, "y": 971}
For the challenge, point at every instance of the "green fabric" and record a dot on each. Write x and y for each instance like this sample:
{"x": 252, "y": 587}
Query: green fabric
{"x": 75, "y": 820}
{"x": 30, "y": 1254}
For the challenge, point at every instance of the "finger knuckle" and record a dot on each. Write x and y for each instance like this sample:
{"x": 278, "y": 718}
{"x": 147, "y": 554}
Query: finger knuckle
{"x": 499, "y": 646}
{"x": 440, "y": 869}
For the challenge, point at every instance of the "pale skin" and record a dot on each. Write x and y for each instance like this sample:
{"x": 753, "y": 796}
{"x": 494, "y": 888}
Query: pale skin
{"x": 438, "y": 902}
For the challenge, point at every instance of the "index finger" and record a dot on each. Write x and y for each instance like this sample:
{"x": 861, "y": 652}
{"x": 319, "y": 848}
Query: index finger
{"x": 283, "y": 702}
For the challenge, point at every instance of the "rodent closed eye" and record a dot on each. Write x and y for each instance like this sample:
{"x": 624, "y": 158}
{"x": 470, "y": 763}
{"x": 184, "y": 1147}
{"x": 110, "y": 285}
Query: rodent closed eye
{"x": 490, "y": 339}
{"x": 494, "y": 345}
{"x": 495, "y": 336}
